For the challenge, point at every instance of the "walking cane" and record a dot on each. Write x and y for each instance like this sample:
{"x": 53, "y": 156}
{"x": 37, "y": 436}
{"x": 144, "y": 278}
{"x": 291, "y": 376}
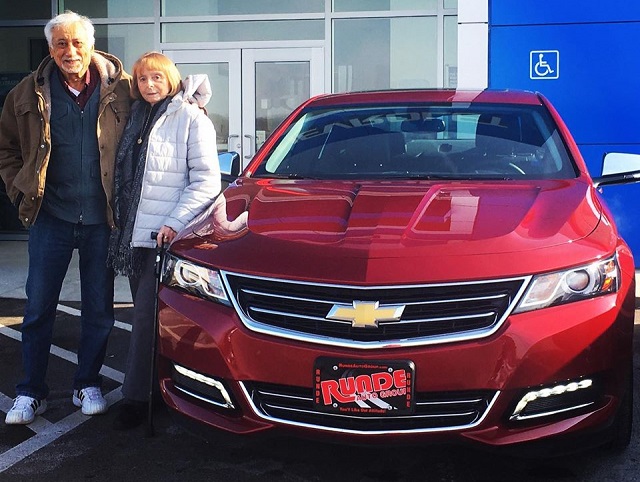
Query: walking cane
{"x": 154, "y": 338}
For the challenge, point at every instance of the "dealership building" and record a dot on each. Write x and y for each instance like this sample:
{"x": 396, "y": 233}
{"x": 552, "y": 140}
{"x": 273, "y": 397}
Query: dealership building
{"x": 264, "y": 57}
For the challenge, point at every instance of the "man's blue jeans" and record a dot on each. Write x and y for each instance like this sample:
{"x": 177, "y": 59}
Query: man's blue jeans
{"x": 51, "y": 245}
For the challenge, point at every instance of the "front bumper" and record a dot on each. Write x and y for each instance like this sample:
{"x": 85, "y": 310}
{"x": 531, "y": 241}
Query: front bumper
{"x": 249, "y": 382}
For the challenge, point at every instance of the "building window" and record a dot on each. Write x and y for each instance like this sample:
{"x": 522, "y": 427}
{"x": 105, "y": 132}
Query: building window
{"x": 383, "y": 5}
{"x": 24, "y": 10}
{"x": 125, "y": 41}
{"x": 28, "y": 48}
{"x": 235, "y": 7}
{"x": 243, "y": 31}
{"x": 450, "y": 52}
{"x": 383, "y": 53}
{"x": 108, "y": 8}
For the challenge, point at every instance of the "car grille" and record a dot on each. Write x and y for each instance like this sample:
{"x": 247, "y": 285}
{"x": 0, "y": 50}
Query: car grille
{"x": 433, "y": 411}
{"x": 432, "y": 314}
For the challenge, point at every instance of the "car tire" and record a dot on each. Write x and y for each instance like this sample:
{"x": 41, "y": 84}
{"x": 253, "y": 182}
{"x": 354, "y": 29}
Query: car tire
{"x": 621, "y": 430}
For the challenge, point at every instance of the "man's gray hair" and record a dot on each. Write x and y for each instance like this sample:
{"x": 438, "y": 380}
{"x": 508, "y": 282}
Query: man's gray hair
{"x": 69, "y": 18}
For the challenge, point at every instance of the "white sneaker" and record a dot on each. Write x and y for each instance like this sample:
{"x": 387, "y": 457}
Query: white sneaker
{"x": 24, "y": 410}
{"x": 91, "y": 401}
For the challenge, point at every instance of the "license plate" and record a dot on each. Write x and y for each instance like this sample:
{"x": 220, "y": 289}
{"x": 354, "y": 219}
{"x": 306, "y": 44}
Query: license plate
{"x": 364, "y": 388}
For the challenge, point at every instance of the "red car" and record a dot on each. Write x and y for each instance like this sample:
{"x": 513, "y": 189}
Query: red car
{"x": 407, "y": 266}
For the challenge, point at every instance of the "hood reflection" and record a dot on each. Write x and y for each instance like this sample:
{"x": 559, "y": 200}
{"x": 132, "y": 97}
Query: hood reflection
{"x": 219, "y": 225}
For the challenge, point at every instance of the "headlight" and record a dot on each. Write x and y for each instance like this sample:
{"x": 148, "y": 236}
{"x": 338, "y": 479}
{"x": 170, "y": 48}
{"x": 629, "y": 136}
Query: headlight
{"x": 575, "y": 284}
{"x": 195, "y": 279}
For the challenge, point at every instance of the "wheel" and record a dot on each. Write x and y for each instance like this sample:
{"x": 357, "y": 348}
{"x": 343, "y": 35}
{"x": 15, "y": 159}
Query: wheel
{"x": 621, "y": 430}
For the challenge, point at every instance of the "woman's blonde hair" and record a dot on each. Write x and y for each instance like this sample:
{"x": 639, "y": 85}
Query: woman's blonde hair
{"x": 155, "y": 61}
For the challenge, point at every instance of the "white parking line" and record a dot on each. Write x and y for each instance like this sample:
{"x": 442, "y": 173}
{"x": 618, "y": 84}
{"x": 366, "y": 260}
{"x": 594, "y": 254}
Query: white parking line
{"x": 75, "y": 312}
{"x": 66, "y": 355}
{"x": 10, "y": 332}
{"x": 45, "y": 431}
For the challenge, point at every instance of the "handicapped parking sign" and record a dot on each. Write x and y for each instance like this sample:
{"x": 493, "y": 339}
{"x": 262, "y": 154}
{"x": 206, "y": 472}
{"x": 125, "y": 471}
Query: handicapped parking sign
{"x": 544, "y": 64}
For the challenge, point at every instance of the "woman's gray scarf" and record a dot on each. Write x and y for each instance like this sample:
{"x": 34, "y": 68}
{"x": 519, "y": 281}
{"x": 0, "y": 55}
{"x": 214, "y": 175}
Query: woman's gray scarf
{"x": 122, "y": 257}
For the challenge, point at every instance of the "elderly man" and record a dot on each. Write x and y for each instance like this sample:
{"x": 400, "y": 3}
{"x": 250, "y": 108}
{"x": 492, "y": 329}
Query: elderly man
{"x": 59, "y": 132}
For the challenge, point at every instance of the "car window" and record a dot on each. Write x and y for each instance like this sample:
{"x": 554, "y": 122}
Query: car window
{"x": 382, "y": 142}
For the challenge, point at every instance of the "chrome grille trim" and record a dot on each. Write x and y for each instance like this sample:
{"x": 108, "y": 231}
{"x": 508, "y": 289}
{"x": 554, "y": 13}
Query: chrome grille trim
{"x": 405, "y": 322}
{"x": 337, "y": 415}
{"x": 201, "y": 397}
{"x": 415, "y": 419}
{"x": 452, "y": 402}
{"x": 307, "y": 322}
{"x": 454, "y": 300}
{"x": 275, "y": 295}
{"x": 302, "y": 317}
{"x": 284, "y": 395}
{"x": 442, "y": 318}
{"x": 552, "y": 412}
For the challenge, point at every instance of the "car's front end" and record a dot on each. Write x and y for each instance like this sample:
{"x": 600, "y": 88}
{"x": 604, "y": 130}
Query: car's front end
{"x": 379, "y": 303}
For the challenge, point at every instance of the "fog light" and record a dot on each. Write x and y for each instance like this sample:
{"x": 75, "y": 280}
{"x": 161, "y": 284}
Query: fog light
{"x": 553, "y": 400}
{"x": 201, "y": 387}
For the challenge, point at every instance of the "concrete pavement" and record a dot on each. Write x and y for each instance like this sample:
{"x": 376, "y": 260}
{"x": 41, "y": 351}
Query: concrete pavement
{"x": 14, "y": 260}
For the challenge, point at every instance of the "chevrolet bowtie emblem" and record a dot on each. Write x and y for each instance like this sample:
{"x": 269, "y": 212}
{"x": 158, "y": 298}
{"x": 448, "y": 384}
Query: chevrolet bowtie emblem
{"x": 365, "y": 314}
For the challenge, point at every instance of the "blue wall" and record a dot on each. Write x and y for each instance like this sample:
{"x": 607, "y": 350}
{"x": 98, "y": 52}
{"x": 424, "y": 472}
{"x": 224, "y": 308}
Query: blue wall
{"x": 593, "y": 49}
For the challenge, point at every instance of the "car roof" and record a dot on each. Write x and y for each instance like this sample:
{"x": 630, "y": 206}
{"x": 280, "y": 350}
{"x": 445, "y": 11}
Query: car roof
{"x": 492, "y": 96}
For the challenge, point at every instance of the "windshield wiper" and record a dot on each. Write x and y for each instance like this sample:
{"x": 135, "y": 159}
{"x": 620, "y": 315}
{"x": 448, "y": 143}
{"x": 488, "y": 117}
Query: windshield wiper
{"x": 414, "y": 177}
{"x": 291, "y": 175}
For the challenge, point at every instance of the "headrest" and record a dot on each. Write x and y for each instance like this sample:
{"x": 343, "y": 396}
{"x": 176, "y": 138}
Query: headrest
{"x": 499, "y": 126}
{"x": 423, "y": 126}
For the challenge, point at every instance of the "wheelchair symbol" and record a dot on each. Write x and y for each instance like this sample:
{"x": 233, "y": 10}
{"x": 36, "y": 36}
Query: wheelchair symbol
{"x": 544, "y": 64}
{"x": 542, "y": 68}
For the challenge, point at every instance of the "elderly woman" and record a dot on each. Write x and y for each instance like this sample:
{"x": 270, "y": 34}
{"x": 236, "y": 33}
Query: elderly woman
{"x": 167, "y": 172}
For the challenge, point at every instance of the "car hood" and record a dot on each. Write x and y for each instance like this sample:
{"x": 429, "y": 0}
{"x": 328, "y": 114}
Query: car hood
{"x": 397, "y": 231}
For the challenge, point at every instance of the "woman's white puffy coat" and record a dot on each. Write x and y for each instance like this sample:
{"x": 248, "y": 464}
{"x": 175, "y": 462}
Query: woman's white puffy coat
{"x": 182, "y": 174}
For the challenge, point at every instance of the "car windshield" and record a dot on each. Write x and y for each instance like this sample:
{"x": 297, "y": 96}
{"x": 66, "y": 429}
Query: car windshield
{"x": 470, "y": 141}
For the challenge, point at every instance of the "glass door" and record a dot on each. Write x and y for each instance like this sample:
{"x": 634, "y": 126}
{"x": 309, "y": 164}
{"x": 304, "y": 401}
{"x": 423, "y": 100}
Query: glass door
{"x": 253, "y": 89}
{"x": 223, "y": 69}
{"x": 274, "y": 82}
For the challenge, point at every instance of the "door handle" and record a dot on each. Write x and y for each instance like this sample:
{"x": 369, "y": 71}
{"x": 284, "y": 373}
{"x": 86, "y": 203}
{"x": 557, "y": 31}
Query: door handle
{"x": 237, "y": 146}
{"x": 251, "y": 147}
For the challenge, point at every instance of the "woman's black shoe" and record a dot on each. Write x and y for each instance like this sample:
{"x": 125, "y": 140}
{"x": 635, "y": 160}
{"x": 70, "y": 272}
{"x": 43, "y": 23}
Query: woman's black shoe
{"x": 130, "y": 415}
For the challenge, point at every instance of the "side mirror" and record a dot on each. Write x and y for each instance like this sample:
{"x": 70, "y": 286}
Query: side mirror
{"x": 618, "y": 162}
{"x": 229, "y": 167}
{"x": 229, "y": 163}
{"x": 619, "y": 168}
